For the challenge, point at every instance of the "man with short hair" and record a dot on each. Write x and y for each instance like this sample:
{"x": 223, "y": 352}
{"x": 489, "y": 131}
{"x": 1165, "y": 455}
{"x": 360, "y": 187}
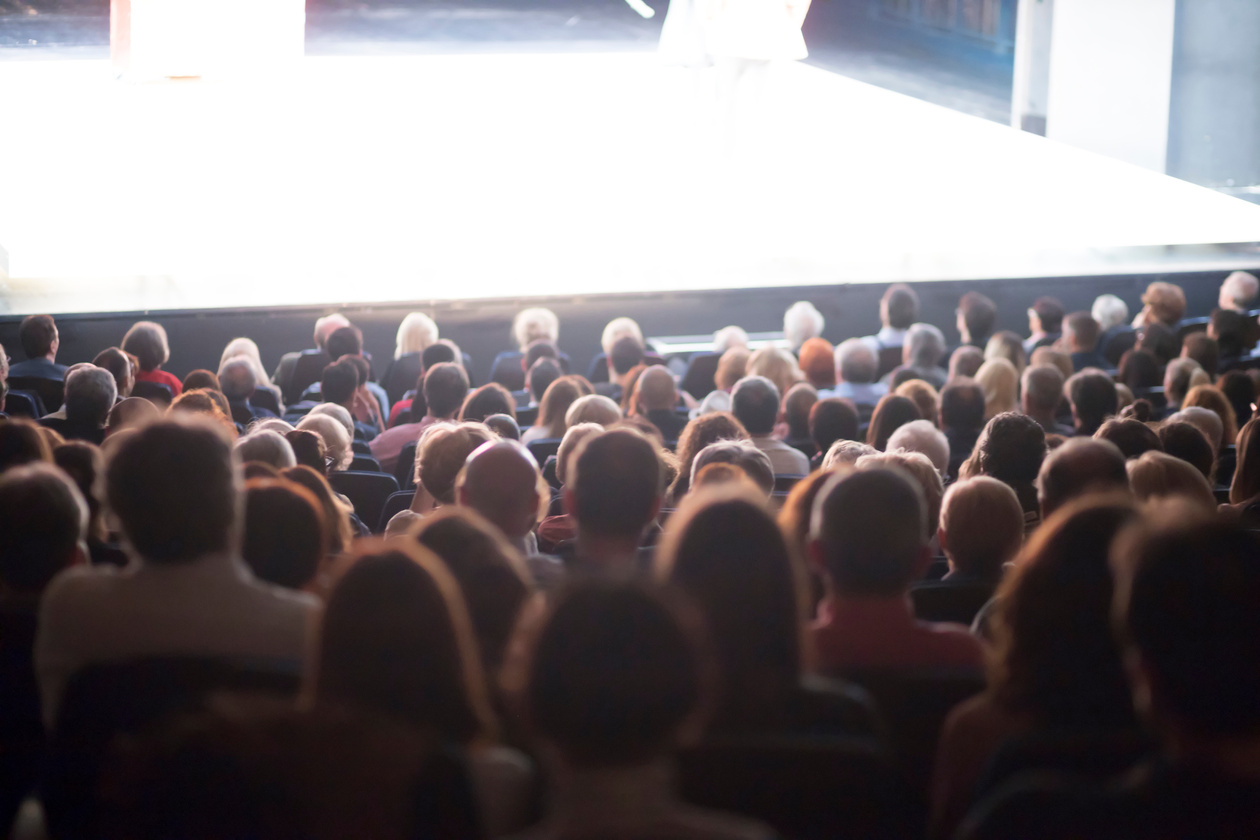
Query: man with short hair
{"x": 869, "y": 542}
{"x": 627, "y": 354}
{"x": 1239, "y": 292}
{"x": 444, "y": 386}
{"x": 1079, "y": 467}
{"x": 1092, "y": 396}
{"x": 921, "y": 354}
{"x": 1203, "y": 349}
{"x": 977, "y": 316}
{"x": 898, "y": 309}
{"x": 740, "y": 453}
{"x": 658, "y": 395}
{"x": 856, "y": 370}
{"x": 40, "y": 341}
{"x": 962, "y": 419}
{"x": 1080, "y": 339}
{"x": 1180, "y": 375}
{"x": 1041, "y": 391}
{"x": 90, "y": 395}
{"x": 1045, "y": 322}
{"x": 755, "y": 403}
{"x": 237, "y": 381}
{"x": 613, "y": 493}
{"x": 174, "y": 489}
{"x": 283, "y": 376}
{"x": 341, "y": 385}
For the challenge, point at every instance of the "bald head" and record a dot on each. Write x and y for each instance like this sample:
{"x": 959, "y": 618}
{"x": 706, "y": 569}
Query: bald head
{"x": 500, "y": 480}
{"x": 1079, "y": 467}
{"x": 656, "y": 389}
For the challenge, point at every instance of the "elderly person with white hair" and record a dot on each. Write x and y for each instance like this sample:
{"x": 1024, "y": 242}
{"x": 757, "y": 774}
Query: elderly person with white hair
{"x": 266, "y": 447}
{"x": 246, "y": 348}
{"x": 922, "y": 437}
{"x": 90, "y": 395}
{"x": 614, "y": 331}
{"x": 238, "y": 382}
{"x": 283, "y": 375}
{"x": 1239, "y": 292}
{"x": 856, "y": 367}
{"x": 1205, "y": 420}
{"x": 592, "y": 408}
{"x": 416, "y": 333}
{"x": 1116, "y": 335}
{"x": 921, "y": 351}
{"x": 535, "y": 324}
{"x": 801, "y": 322}
{"x": 337, "y": 441}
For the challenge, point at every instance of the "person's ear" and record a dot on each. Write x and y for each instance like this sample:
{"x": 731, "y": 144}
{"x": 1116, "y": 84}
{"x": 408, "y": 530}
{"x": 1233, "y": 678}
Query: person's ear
{"x": 940, "y": 538}
{"x": 922, "y": 562}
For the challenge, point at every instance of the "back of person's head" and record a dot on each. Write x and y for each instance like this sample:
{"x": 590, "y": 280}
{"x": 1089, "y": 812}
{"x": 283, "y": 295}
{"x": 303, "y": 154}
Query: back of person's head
{"x": 755, "y": 403}
{"x": 416, "y": 332}
{"x": 173, "y": 488}
{"x": 728, "y": 337}
{"x": 1156, "y": 475}
{"x": 982, "y": 526}
{"x": 344, "y": 341}
{"x": 592, "y": 408}
{"x": 1081, "y": 331}
{"x": 978, "y": 313}
{"x": 1079, "y": 467}
{"x": 754, "y": 617}
{"x": 440, "y": 455}
{"x": 1166, "y": 302}
{"x": 964, "y": 362}
{"x": 43, "y": 525}
{"x": 1180, "y": 376}
{"x": 1042, "y": 388}
{"x": 831, "y": 420}
{"x": 1109, "y": 311}
{"x": 553, "y": 405}
{"x": 627, "y": 352}
{"x": 90, "y": 394}
{"x": 924, "y": 346}
{"x": 396, "y": 640}
{"x": 500, "y": 481}
{"x": 1246, "y": 482}
{"x": 237, "y": 379}
{"x": 339, "y": 382}
{"x": 1139, "y": 369}
{"x": 1235, "y": 333}
{"x": 1182, "y": 440}
{"x": 1205, "y": 396}
{"x": 846, "y": 453}
{"x": 1240, "y": 389}
{"x": 1204, "y": 350}
{"x": 1239, "y": 291}
{"x": 336, "y": 512}
{"x": 656, "y": 390}
{"x": 338, "y": 450}
{"x": 266, "y": 447}
{"x": 1092, "y": 396}
{"x": 923, "y": 395}
{"x": 202, "y": 379}
{"x": 130, "y": 412}
{"x": 491, "y": 575}
{"x": 797, "y": 403}
{"x": 37, "y": 334}
{"x": 817, "y": 362}
{"x": 1188, "y": 607}
{"x": 540, "y": 375}
{"x": 286, "y": 539}
{"x": 891, "y": 413}
{"x": 775, "y": 364}
{"x": 619, "y": 328}
{"x": 327, "y": 325}
{"x": 504, "y": 426}
{"x": 146, "y": 340}
{"x": 962, "y": 405}
{"x": 615, "y": 675}
{"x": 533, "y": 324}
{"x": 856, "y": 362}
{"x": 614, "y": 485}
{"x": 869, "y": 532}
{"x": 122, "y": 366}
{"x": 84, "y": 463}
{"x": 569, "y": 445}
{"x": 308, "y": 449}
{"x": 1055, "y": 657}
{"x": 1006, "y": 345}
{"x": 1049, "y": 312}
{"x": 999, "y": 380}
{"x": 445, "y": 387}
{"x": 440, "y": 352}
{"x": 801, "y": 322}
{"x": 924, "y": 438}
{"x": 743, "y": 454}
{"x": 899, "y": 307}
{"x": 1160, "y": 341}
{"x": 918, "y": 467}
{"x": 1131, "y": 437}
{"x": 732, "y": 367}
{"x": 696, "y": 435}
{"x": 491, "y": 398}
{"x": 1206, "y": 421}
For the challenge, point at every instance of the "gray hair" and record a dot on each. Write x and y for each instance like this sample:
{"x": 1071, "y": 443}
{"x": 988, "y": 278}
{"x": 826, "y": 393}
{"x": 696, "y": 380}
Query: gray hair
{"x": 337, "y": 412}
{"x": 90, "y": 394}
{"x": 856, "y": 361}
{"x": 1240, "y": 289}
{"x": 801, "y": 322}
{"x": 534, "y": 323}
{"x": 237, "y": 378}
{"x": 741, "y": 453}
{"x": 619, "y": 328}
{"x": 268, "y": 447}
{"x": 924, "y": 345}
{"x": 728, "y": 337}
{"x": 415, "y": 334}
{"x": 1205, "y": 420}
{"x": 592, "y": 408}
{"x": 846, "y": 452}
{"x": 922, "y": 437}
{"x": 1042, "y": 386}
{"x": 1109, "y": 311}
{"x": 337, "y": 443}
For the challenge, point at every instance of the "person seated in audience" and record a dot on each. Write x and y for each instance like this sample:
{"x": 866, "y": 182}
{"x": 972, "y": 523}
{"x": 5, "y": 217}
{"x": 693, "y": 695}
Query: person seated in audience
{"x": 1045, "y": 322}
{"x": 830, "y": 420}
{"x": 559, "y": 526}
{"x": 592, "y": 408}
{"x": 396, "y": 640}
{"x": 898, "y": 309}
{"x": 869, "y": 542}
{"x": 60, "y": 413}
{"x": 91, "y": 393}
{"x": 926, "y": 398}
{"x": 84, "y": 463}
{"x": 40, "y": 341}
{"x": 921, "y": 353}
{"x": 129, "y": 413}
{"x": 1115, "y": 337}
{"x": 341, "y": 385}
{"x": 626, "y": 353}
{"x": 1092, "y": 397}
{"x": 496, "y": 585}
{"x": 1163, "y": 303}
{"x": 268, "y": 395}
{"x": 1187, "y": 609}
{"x": 754, "y": 618}
{"x": 445, "y": 386}
{"x": 817, "y": 363}
{"x": 538, "y": 378}
{"x": 202, "y": 379}
{"x": 1131, "y": 437}
{"x": 657, "y": 395}
{"x": 205, "y": 401}
{"x": 265, "y": 446}
{"x": 440, "y": 455}
{"x": 553, "y": 406}
{"x": 338, "y": 513}
{"x": 122, "y": 366}
{"x": 917, "y": 466}
{"x": 699, "y": 377}
{"x": 777, "y": 365}
{"x": 146, "y": 340}
{"x": 43, "y": 530}
{"x": 1157, "y": 476}
{"x": 1080, "y": 467}
{"x": 1240, "y": 390}
{"x": 801, "y": 322}
{"x": 699, "y": 433}
{"x": 1041, "y": 392}
{"x": 1007, "y": 345}
{"x": 286, "y": 539}
{"x": 798, "y": 401}
{"x": 890, "y": 414}
{"x": 962, "y": 419}
{"x": 923, "y": 437}
{"x": 489, "y": 399}
{"x": 308, "y": 449}
{"x": 1206, "y": 421}
{"x": 744, "y": 454}
{"x": 614, "y": 330}
{"x": 172, "y": 488}
{"x": 1203, "y": 349}
{"x": 1244, "y": 489}
{"x": 238, "y": 382}
{"x": 338, "y": 450}
{"x": 845, "y": 453}
{"x": 999, "y": 380}
{"x": 501, "y": 482}
{"x": 1235, "y": 334}
{"x": 283, "y": 375}
{"x": 23, "y": 442}
{"x": 1140, "y": 371}
{"x": 976, "y": 319}
{"x": 416, "y": 333}
{"x": 1180, "y": 376}
{"x": 1056, "y": 668}
{"x": 732, "y": 367}
{"x": 1183, "y": 440}
{"x": 755, "y": 404}
{"x": 530, "y": 325}
{"x": 613, "y": 492}
{"x": 964, "y": 362}
{"x": 1080, "y": 339}
{"x": 1239, "y": 292}
{"x": 1205, "y": 396}
{"x": 856, "y": 369}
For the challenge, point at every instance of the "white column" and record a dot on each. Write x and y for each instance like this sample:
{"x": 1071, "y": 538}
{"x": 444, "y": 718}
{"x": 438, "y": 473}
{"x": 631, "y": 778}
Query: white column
{"x": 1031, "y": 92}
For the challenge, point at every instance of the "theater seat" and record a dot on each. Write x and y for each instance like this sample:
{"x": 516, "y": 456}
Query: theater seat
{"x": 1097, "y": 754}
{"x": 50, "y": 391}
{"x": 405, "y": 467}
{"x": 108, "y": 700}
{"x": 360, "y": 447}
{"x": 367, "y": 491}
{"x": 784, "y": 483}
{"x": 803, "y": 787}
{"x": 24, "y": 404}
{"x": 364, "y": 463}
{"x": 947, "y": 600}
{"x": 396, "y": 503}
{"x": 155, "y": 392}
{"x": 544, "y": 449}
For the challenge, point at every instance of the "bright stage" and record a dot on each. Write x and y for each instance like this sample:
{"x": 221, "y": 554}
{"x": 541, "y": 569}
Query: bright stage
{"x": 365, "y": 179}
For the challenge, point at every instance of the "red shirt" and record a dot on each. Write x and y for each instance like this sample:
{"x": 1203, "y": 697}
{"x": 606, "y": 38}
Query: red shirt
{"x": 883, "y": 633}
{"x": 161, "y": 377}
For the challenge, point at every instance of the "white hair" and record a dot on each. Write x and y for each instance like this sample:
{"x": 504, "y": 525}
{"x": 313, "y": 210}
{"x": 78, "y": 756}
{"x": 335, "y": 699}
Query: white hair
{"x": 328, "y": 325}
{"x": 925, "y": 344}
{"x": 801, "y": 322}
{"x": 1109, "y": 311}
{"x": 337, "y": 412}
{"x": 274, "y": 424}
{"x": 856, "y": 361}
{"x": 922, "y": 437}
{"x": 846, "y": 452}
{"x": 237, "y": 378}
{"x": 245, "y": 348}
{"x": 416, "y": 332}
{"x": 534, "y": 323}
{"x": 268, "y": 447}
{"x": 336, "y": 441}
{"x": 592, "y": 408}
{"x": 619, "y": 328}
{"x": 728, "y": 337}
{"x": 91, "y": 389}
{"x": 1239, "y": 290}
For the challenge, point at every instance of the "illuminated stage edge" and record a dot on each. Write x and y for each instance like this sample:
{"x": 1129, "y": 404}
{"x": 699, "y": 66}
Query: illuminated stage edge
{"x": 465, "y": 177}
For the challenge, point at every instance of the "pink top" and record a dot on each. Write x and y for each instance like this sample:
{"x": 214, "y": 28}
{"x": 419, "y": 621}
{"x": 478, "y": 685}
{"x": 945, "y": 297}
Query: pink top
{"x": 388, "y": 445}
{"x": 883, "y": 633}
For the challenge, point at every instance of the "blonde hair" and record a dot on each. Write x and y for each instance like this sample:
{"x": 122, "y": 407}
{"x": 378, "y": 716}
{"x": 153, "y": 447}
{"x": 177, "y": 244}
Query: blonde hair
{"x": 1158, "y": 475}
{"x": 416, "y": 333}
{"x": 592, "y": 408}
{"x": 534, "y": 323}
{"x": 336, "y": 441}
{"x": 1000, "y": 382}
{"x": 619, "y": 328}
{"x": 919, "y": 466}
{"x": 777, "y": 365}
{"x": 573, "y": 436}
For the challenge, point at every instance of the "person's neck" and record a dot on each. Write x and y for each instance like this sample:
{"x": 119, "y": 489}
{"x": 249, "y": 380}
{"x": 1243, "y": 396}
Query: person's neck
{"x": 605, "y": 553}
{"x": 51, "y": 356}
{"x": 447, "y": 418}
{"x": 1043, "y": 417}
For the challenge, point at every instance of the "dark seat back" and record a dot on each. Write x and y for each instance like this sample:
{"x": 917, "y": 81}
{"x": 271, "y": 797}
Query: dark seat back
{"x": 405, "y": 467}
{"x": 155, "y": 392}
{"x": 104, "y": 701}
{"x": 364, "y": 463}
{"x": 544, "y": 449}
{"x": 784, "y": 483}
{"x": 889, "y": 358}
{"x": 265, "y": 398}
{"x": 367, "y": 491}
{"x": 360, "y": 447}
{"x": 307, "y": 370}
{"x": 401, "y": 375}
{"x": 24, "y": 404}
{"x": 1097, "y": 754}
{"x": 50, "y": 391}
{"x": 949, "y": 601}
{"x": 396, "y": 503}
{"x": 803, "y": 787}
{"x": 700, "y": 377}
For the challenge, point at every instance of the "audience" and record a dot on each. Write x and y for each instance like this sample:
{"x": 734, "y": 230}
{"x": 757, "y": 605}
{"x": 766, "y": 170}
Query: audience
{"x": 445, "y": 385}
{"x": 752, "y": 461}
{"x": 146, "y": 340}
{"x": 999, "y": 380}
{"x": 890, "y": 414}
{"x": 40, "y": 341}
{"x": 962, "y": 419}
{"x": 857, "y": 368}
{"x": 977, "y": 317}
{"x": 1080, "y": 467}
{"x": 614, "y": 494}
{"x": 1041, "y": 394}
{"x": 698, "y": 434}
{"x": 285, "y": 541}
{"x": 801, "y": 322}
{"x": 1092, "y": 397}
{"x": 922, "y": 437}
{"x": 755, "y": 404}
{"x": 1156, "y": 475}
{"x": 1045, "y": 322}
{"x": 817, "y": 363}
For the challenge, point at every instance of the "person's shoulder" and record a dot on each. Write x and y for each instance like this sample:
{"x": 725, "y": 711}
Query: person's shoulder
{"x": 954, "y": 642}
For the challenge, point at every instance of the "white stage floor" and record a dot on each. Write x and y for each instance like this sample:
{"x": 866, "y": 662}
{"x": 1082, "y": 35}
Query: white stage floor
{"x": 363, "y": 179}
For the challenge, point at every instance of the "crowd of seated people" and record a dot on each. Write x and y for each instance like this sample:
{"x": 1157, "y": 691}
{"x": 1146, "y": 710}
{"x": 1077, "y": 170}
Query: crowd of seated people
{"x": 877, "y": 588}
